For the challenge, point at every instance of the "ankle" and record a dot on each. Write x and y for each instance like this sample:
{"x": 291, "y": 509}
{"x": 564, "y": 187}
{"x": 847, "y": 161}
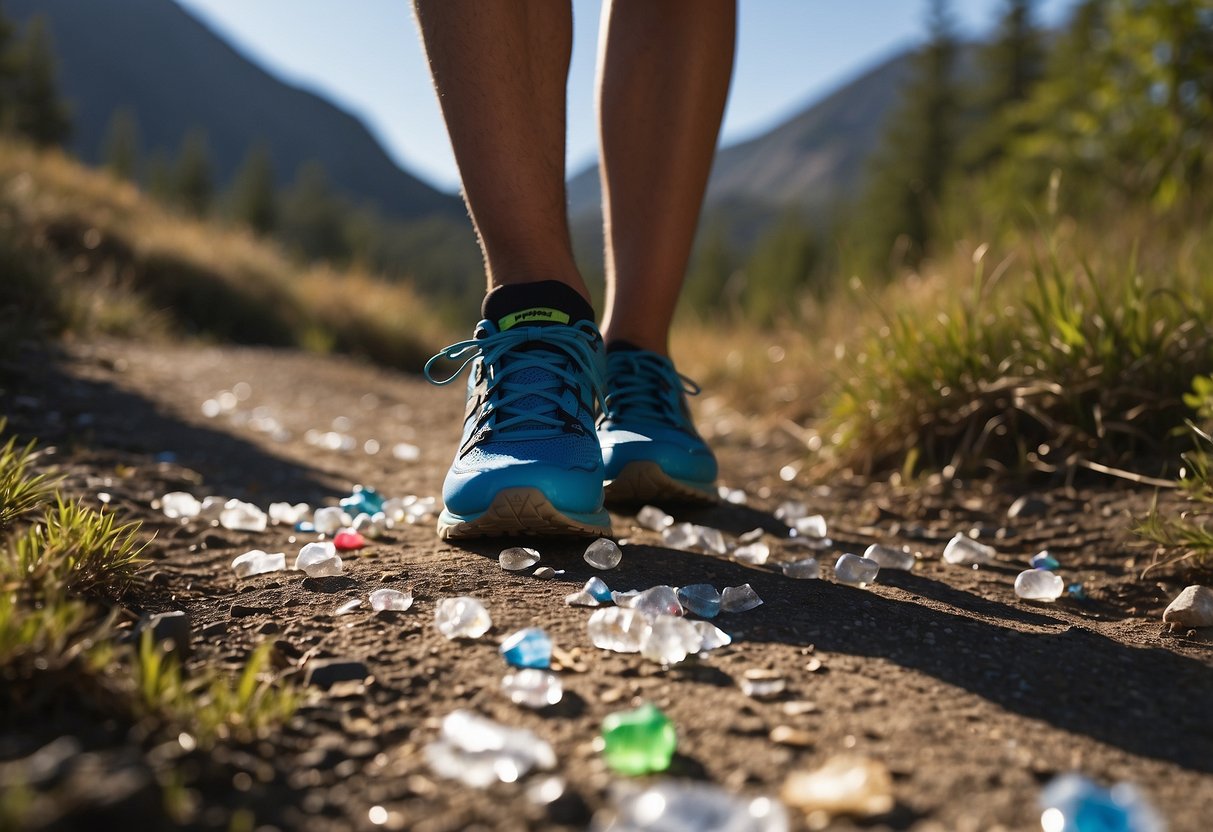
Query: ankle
{"x": 515, "y": 271}
{"x": 616, "y": 340}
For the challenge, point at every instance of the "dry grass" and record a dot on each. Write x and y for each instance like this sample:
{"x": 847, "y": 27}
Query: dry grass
{"x": 121, "y": 263}
{"x": 1054, "y": 351}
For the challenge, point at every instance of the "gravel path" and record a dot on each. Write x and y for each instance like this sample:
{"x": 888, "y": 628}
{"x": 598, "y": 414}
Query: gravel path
{"x": 972, "y": 699}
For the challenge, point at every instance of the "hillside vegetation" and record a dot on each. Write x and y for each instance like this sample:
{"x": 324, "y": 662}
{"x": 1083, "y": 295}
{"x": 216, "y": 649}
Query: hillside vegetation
{"x": 93, "y": 255}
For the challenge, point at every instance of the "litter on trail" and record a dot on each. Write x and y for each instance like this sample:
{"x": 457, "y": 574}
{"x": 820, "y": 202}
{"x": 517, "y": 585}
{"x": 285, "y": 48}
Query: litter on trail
{"x": 319, "y": 560}
{"x": 886, "y": 557}
{"x": 846, "y": 785}
{"x": 258, "y": 562}
{"x": 853, "y": 570}
{"x": 739, "y": 599}
{"x": 640, "y": 741}
{"x": 1073, "y": 803}
{"x": 533, "y": 688}
{"x": 391, "y": 599}
{"x": 462, "y": 617}
{"x": 518, "y": 558}
{"x": 963, "y": 550}
{"x": 603, "y": 554}
{"x": 1039, "y": 585}
{"x": 528, "y": 648}
{"x": 685, "y": 805}
{"x": 479, "y": 751}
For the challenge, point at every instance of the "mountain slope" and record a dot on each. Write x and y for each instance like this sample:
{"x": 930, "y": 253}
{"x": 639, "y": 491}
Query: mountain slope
{"x": 173, "y": 73}
{"x": 811, "y": 160}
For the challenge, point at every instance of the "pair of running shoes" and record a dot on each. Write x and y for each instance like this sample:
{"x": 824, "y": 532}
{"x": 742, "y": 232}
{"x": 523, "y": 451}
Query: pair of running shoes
{"x": 556, "y": 426}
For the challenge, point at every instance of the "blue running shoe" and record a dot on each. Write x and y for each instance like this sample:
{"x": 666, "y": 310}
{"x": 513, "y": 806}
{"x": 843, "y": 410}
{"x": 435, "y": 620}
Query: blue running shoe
{"x": 529, "y": 462}
{"x": 650, "y": 447}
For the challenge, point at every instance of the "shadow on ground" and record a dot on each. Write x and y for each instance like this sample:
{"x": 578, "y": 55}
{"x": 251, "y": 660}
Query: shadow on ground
{"x": 1026, "y": 660}
{"x": 46, "y": 400}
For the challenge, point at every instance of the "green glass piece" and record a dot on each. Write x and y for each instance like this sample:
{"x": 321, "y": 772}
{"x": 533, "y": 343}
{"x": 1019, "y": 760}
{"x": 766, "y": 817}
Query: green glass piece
{"x": 639, "y": 741}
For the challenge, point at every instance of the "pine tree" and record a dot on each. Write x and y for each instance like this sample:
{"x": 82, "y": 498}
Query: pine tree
{"x": 253, "y": 199}
{"x": 1125, "y": 111}
{"x": 780, "y": 268}
{"x": 158, "y": 177}
{"x": 919, "y": 150}
{"x": 1011, "y": 65}
{"x": 313, "y": 218}
{"x": 38, "y": 112}
{"x": 121, "y": 148}
{"x": 713, "y": 263}
{"x": 193, "y": 180}
{"x": 9, "y": 58}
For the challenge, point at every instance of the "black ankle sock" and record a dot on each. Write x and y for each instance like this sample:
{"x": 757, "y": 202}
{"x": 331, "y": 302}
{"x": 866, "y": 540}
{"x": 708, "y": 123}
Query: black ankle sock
{"x": 535, "y": 304}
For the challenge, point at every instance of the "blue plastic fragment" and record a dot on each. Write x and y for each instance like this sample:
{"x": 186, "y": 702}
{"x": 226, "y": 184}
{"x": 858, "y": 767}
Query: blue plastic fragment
{"x": 1044, "y": 560}
{"x": 701, "y": 599}
{"x": 528, "y": 648}
{"x": 1073, "y": 803}
{"x": 1076, "y": 591}
{"x": 363, "y": 500}
{"x": 598, "y": 590}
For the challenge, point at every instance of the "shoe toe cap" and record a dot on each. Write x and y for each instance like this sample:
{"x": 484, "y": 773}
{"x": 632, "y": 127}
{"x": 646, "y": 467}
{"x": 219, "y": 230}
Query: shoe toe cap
{"x": 469, "y": 492}
{"x": 679, "y": 455}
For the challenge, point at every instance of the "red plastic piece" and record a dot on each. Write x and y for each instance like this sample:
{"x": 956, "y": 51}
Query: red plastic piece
{"x": 348, "y": 541}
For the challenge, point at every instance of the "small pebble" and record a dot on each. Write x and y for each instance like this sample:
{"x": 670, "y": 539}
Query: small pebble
{"x": 1192, "y": 608}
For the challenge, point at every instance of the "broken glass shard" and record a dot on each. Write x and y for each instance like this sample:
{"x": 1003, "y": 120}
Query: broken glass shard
{"x": 603, "y": 554}
{"x": 617, "y": 629}
{"x": 518, "y": 558}
{"x": 963, "y": 550}
{"x": 462, "y": 617}
{"x": 258, "y": 562}
{"x": 480, "y": 752}
{"x": 886, "y": 557}
{"x": 739, "y": 598}
{"x": 756, "y": 553}
{"x": 803, "y": 569}
{"x": 700, "y": 599}
{"x": 533, "y": 688}
{"x": 653, "y": 518}
{"x": 391, "y": 599}
{"x": 319, "y": 560}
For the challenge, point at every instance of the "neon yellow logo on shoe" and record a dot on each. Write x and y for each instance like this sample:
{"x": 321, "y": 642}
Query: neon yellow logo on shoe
{"x": 539, "y": 314}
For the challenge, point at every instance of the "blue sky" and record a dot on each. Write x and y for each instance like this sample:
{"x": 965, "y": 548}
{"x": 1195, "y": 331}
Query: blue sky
{"x": 368, "y": 59}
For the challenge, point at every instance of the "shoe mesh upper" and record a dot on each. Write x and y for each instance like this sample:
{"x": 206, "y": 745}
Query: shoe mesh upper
{"x": 540, "y": 387}
{"x": 645, "y": 388}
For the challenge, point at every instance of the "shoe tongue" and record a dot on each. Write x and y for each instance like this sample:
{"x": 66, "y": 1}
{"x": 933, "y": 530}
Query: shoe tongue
{"x": 543, "y": 303}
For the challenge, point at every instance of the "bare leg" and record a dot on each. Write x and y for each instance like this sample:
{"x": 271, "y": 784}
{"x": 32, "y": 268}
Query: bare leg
{"x": 501, "y": 70}
{"x": 664, "y": 69}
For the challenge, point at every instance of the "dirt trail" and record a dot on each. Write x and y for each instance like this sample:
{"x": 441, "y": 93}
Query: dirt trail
{"x": 971, "y": 698}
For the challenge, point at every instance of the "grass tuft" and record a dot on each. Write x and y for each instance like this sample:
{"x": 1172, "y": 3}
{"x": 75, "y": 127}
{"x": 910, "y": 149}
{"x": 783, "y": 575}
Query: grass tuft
{"x": 1188, "y": 534}
{"x": 76, "y": 549}
{"x": 1056, "y": 368}
{"x": 213, "y": 706}
{"x": 21, "y": 491}
{"x": 48, "y": 636}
